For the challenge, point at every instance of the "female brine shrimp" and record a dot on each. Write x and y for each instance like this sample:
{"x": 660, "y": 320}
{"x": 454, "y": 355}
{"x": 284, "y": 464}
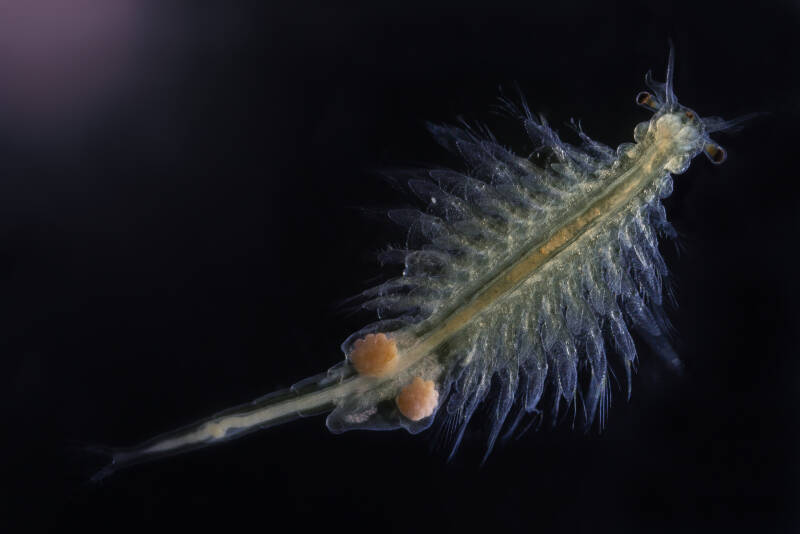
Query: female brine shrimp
{"x": 533, "y": 275}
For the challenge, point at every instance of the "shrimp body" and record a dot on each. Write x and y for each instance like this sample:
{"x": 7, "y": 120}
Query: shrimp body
{"x": 533, "y": 272}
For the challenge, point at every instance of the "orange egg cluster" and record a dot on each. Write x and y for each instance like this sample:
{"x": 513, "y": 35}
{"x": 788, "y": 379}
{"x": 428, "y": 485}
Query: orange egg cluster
{"x": 418, "y": 400}
{"x": 374, "y": 355}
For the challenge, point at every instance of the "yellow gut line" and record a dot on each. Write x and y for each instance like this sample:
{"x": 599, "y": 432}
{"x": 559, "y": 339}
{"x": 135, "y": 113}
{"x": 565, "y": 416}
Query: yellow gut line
{"x": 618, "y": 194}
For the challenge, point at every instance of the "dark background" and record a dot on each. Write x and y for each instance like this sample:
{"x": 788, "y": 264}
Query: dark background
{"x": 181, "y": 209}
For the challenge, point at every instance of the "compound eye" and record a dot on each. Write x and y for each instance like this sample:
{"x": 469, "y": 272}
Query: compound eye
{"x": 646, "y": 100}
{"x": 715, "y": 153}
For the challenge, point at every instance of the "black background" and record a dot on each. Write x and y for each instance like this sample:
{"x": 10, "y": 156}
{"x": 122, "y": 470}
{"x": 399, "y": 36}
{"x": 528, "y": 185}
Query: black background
{"x": 181, "y": 247}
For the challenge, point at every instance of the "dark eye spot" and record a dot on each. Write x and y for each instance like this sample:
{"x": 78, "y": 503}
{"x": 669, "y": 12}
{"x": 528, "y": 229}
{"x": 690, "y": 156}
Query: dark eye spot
{"x": 715, "y": 153}
{"x": 689, "y": 115}
{"x": 646, "y": 100}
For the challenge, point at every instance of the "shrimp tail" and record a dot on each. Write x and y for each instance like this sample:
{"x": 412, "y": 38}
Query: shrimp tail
{"x": 312, "y": 396}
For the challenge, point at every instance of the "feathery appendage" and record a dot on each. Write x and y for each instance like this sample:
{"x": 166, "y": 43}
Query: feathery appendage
{"x": 529, "y": 281}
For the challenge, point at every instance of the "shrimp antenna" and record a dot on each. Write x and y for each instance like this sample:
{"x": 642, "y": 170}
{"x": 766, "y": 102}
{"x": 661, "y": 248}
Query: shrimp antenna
{"x": 669, "y": 95}
{"x": 718, "y": 124}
